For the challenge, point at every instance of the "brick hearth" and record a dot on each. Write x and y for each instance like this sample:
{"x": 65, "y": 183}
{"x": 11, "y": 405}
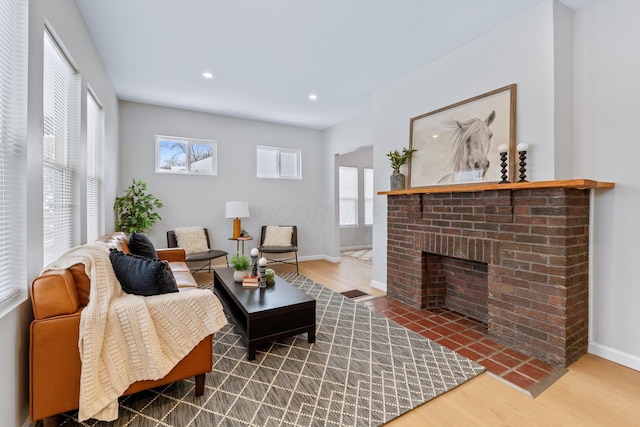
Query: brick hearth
{"x": 516, "y": 259}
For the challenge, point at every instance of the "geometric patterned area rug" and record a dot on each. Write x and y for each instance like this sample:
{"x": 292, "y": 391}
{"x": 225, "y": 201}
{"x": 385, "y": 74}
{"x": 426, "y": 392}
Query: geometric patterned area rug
{"x": 362, "y": 370}
{"x": 365, "y": 255}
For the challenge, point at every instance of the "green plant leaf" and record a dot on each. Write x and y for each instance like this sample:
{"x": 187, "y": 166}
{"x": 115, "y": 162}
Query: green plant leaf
{"x": 398, "y": 159}
{"x": 240, "y": 262}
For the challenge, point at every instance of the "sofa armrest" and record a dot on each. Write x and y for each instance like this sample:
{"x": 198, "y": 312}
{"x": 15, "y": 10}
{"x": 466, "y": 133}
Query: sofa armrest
{"x": 54, "y": 366}
{"x": 54, "y": 293}
{"x": 172, "y": 254}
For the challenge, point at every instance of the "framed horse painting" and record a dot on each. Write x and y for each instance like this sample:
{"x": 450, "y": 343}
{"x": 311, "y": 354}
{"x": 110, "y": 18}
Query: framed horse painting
{"x": 459, "y": 143}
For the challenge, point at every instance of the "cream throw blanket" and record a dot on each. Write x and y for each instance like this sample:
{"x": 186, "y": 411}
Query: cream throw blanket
{"x": 126, "y": 338}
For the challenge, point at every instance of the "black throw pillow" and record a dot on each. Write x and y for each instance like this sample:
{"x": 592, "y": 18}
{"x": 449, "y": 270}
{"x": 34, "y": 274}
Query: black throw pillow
{"x": 140, "y": 244}
{"x": 142, "y": 276}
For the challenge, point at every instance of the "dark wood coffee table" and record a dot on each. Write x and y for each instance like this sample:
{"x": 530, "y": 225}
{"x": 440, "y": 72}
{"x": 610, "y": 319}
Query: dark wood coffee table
{"x": 264, "y": 315}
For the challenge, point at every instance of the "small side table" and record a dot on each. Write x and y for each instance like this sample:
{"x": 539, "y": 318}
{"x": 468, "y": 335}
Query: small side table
{"x": 239, "y": 240}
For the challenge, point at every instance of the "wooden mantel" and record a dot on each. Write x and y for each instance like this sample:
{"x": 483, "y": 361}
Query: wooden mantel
{"x": 581, "y": 184}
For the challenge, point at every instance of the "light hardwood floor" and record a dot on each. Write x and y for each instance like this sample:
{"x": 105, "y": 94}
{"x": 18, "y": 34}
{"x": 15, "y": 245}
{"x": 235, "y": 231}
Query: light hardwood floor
{"x": 594, "y": 391}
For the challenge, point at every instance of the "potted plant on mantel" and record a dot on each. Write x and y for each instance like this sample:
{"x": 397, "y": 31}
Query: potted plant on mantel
{"x": 135, "y": 211}
{"x": 397, "y": 159}
{"x": 240, "y": 265}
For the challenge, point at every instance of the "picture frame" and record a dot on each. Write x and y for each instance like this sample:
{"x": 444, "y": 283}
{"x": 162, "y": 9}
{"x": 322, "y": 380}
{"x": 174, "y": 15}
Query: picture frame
{"x": 459, "y": 143}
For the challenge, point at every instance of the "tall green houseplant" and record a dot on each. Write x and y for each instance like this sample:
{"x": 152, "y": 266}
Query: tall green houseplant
{"x": 135, "y": 211}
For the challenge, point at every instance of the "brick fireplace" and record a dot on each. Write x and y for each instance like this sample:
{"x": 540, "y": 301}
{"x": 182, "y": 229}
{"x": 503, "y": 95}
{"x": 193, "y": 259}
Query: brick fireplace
{"x": 513, "y": 256}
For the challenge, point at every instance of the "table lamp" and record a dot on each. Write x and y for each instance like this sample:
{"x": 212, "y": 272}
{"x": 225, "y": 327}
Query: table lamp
{"x": 237, "y": 210}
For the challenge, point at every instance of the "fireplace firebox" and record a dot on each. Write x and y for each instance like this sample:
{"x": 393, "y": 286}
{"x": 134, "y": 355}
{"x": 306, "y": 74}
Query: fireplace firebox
{"x": 457, "y": 284}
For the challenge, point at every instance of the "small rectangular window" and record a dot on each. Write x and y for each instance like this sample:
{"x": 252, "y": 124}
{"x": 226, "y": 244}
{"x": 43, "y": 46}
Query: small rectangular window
{"x": 368, "y": 196}
{"x": 274, "y": 162}
{"x": 186, "y": 155}
{"x": 348, "y": 193}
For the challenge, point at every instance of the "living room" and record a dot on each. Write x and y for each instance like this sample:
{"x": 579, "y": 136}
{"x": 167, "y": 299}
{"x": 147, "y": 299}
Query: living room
{"x": 575, "y": 71}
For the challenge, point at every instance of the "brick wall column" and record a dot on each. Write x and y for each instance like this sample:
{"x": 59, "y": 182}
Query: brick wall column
{"x": 538, "y": 295}
{"x": 405, "y": 265}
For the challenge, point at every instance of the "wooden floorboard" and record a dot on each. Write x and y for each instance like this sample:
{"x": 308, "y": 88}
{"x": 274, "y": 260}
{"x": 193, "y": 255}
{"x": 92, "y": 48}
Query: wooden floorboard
{"x": 346, "y": 275}
{"x": 594, "y": 391}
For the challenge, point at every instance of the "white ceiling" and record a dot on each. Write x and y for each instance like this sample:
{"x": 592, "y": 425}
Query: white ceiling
{"x": 268, "y": 56}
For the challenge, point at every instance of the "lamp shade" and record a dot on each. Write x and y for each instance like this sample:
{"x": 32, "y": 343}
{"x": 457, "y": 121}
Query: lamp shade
{"x": 237, "y": 210}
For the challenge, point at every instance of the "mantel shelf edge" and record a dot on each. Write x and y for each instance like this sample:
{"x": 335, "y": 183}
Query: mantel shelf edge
{"x": 581, "y": 184}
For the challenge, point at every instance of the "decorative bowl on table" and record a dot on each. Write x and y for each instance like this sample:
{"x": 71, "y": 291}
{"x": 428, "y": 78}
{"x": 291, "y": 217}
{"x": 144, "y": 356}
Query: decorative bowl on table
{"x": 270, "y": 275}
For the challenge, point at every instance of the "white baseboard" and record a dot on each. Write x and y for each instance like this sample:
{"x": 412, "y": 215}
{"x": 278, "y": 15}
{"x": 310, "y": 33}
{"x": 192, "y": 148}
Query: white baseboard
{"x": 617, "y": 356}
{"x": 317, "y": 257}
{"x": 355, "y": 248}
{"x": 379, "y": 285}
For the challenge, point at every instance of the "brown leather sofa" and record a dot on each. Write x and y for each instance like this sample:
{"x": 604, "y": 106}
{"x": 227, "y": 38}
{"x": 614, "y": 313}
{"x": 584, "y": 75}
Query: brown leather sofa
{"x": 58, "y": 298}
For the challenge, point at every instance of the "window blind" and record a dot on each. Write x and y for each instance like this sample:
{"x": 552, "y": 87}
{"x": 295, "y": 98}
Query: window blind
{"x": 274, "y": 162}
{"x": 61, "y": 101}
{"x": 13, "y": 139}
{"x": 348, "y": 192}
{"x": 95, "y": 144}
{"x": 267, "y": 162}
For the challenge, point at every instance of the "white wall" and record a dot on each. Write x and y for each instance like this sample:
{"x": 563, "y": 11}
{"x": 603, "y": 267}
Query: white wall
{"x": 563, "y": 89}
{"x": 200, "y": 200}
{"x": 607, "y": 148}
{"x": 520, "y": 51}
{"x": 65, "y": 20}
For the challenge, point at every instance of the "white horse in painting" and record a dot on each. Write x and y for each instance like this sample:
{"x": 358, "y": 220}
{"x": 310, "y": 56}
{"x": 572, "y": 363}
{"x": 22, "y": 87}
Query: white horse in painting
{"x": 470, "y": 148}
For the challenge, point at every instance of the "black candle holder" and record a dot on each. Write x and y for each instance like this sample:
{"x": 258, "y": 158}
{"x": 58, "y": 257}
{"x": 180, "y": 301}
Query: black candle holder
{"x": 262, "y": 281}
{"x": 254, "y": 265}
{"x": 523, "y": 166}
{"x": 503, "y": 168}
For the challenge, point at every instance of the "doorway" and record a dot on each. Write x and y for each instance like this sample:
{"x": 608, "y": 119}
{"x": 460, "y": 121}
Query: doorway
{"x": 354, "y": 198}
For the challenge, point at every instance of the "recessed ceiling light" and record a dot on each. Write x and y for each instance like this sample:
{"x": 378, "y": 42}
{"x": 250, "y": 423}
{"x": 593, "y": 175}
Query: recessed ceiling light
{"x": 313, "y": 97}
{"x": 207, "y": 75}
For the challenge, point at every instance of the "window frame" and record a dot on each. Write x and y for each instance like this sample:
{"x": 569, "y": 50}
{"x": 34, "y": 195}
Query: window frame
{"x": 367, "y": 198}
{"x": 95, "y": 168}
{"x": 189, "y": 142}
{"x": 279, "y": 151}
